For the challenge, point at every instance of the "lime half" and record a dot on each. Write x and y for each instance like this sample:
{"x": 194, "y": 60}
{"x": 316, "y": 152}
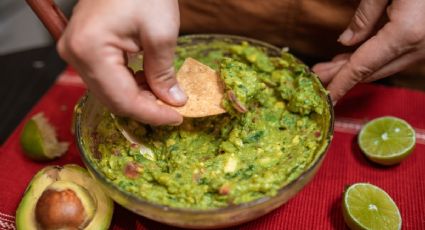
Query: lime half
{"x": 38, "y": 139}
{"x": 366, "y": 206}
{"x": 387, "y": 140}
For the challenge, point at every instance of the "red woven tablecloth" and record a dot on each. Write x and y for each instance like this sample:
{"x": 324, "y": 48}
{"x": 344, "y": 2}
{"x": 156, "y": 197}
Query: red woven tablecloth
{"x": 317, "y": 206}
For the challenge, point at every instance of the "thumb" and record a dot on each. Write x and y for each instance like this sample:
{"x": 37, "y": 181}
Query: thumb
{"x": 363, "y": 21}
{"x": 159, "y": 68}
{"x": 368, "y": 58}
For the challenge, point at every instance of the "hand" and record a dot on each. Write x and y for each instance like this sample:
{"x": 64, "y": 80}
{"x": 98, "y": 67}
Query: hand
{"x": 96, "y": 40}
{"x": 398, "y": 44}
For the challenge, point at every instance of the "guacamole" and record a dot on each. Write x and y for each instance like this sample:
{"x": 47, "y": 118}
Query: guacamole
{"x": 271, "y": 134}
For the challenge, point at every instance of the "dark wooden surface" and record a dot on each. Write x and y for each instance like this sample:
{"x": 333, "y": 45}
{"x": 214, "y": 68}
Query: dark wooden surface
{"x": 24, "y": 77}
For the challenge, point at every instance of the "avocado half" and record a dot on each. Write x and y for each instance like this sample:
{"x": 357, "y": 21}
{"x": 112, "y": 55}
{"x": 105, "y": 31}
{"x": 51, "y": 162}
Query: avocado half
{"x": 64, "y": 198}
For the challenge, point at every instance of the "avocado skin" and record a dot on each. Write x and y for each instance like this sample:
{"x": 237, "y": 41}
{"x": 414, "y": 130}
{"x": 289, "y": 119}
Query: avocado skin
{"x": 25, "y": 215}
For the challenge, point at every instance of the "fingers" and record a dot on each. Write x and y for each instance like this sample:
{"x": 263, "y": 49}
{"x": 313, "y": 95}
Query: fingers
{"x": 115, "y": 87}
{"x": 343, "y": 56}
{"x": 368, "y": 58}
{"x": 150, "y": 112}
{"x": 103, "y": 69}
{"x": 395, "y": 66}
{"x": 98, "y": 35}
{"x": 159, "y": 71}
{"x": 328, "y": 69}
{"x": 363, "y": 21}
{"x": 159, "y": 42}
{"x": 140, "y": 78}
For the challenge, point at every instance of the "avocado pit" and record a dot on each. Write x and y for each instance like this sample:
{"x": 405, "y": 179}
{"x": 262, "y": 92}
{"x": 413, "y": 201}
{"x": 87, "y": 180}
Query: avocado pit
{"x": 64, "y": 205}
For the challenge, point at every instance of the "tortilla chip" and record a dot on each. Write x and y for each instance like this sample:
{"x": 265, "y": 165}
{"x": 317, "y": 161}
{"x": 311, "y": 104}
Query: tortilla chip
{"x": 203, "y": 87}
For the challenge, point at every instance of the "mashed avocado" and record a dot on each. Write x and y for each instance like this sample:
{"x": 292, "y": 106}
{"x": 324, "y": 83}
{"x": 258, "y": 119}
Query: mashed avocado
{"x": 269, "y": 137}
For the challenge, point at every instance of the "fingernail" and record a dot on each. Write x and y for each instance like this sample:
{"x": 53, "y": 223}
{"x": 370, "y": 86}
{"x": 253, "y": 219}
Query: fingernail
{"x": 177, "y": 123}
{"x": 334, "y": 102}
{"x": 346, "y": 36}
{"x": 177, "y": 93}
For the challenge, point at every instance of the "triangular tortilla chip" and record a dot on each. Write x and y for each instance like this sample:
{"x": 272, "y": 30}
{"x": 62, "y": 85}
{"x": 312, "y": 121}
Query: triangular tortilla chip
{"x": 203, "y": 87}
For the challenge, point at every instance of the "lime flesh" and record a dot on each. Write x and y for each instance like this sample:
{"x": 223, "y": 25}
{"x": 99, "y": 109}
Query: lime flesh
{"x": 38, "y": 140}
{"x": 366, "y": 206}
{"x": 387, "y": 140}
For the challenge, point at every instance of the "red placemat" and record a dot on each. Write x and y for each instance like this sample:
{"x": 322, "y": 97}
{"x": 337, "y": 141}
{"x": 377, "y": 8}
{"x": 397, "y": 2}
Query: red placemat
{"x": 317, "y": 206}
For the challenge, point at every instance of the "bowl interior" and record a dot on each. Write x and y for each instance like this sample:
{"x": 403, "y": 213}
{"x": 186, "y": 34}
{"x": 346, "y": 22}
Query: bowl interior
{"x": 89, "y": 111}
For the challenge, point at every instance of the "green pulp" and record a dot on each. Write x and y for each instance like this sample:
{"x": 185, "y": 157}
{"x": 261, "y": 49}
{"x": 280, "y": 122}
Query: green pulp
{"x": 231, "y": 158}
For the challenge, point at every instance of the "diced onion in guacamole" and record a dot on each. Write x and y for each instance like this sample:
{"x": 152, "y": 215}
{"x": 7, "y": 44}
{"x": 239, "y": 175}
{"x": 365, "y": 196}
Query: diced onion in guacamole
{"x": 231, "y": 158}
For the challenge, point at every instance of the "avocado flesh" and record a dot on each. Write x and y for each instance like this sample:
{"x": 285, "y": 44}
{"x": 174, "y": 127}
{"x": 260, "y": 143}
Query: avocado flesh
{"x": 25, "y": 214}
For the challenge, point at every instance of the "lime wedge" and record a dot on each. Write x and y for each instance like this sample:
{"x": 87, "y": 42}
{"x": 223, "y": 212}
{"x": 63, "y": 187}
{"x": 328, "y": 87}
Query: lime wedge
{"x": 387, "y": 140}
{"x": 38, "y": 139}
{"x": 366, "y": 206}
